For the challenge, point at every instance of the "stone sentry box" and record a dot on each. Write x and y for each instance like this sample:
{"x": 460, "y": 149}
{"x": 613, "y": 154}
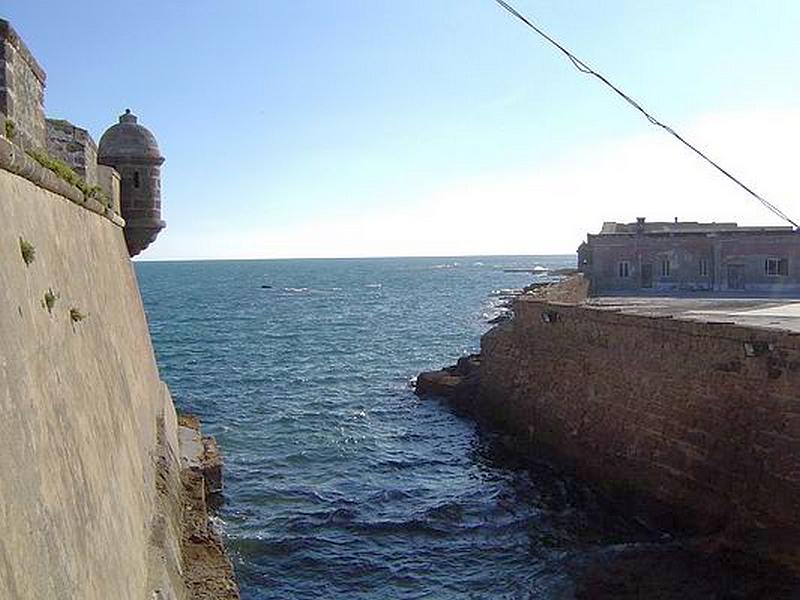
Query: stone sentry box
{"x": 132, "y": 150}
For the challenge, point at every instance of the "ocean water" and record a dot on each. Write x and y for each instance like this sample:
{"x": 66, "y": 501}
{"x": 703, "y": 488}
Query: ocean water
{"x": 340, "y": 483}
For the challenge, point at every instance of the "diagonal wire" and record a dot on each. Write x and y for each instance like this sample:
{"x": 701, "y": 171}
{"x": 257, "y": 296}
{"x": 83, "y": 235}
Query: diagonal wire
{"x": 584, "y": 68}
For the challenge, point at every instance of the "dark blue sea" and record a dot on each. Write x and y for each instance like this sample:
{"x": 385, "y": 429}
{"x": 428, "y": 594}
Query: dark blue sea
{"x": 340, "y": 483}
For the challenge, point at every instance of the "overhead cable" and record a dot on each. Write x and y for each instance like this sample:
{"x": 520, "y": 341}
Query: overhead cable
{"x": 584, "y": 68}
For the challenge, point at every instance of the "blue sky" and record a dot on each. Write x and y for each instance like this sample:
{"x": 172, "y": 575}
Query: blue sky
{"x": 435, "y": 127}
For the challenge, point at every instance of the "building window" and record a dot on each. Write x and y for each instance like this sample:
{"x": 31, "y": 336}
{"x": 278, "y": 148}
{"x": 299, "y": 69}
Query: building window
{"x": 665, "y": 267}
{"x": 624, "y": 268}
{"x": 136, "y": 179}
{"x": 777, "y": 266}
{"x": 703, "y": 267}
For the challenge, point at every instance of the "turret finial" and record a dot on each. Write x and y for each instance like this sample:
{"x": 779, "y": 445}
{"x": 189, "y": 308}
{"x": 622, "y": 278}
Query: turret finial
{"x": 128, "y": 117}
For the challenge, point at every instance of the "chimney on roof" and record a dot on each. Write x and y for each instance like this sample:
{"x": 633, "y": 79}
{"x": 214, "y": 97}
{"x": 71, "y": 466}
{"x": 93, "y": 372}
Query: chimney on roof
{"x": 639, "y": 224}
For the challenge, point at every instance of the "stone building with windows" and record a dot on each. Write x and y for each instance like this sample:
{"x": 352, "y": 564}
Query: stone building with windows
{"x": 658, "y": 257}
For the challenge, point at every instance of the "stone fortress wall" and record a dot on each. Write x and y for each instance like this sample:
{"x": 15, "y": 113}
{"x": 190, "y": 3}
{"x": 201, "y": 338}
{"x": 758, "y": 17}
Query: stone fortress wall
{"x": 26, "y": 133}
{"x": 83, "y": 412}
{"x": 75, "y": 147}
{"x": 22, "y": 83}
{"x": 102, "y": 490}
{"x": 701, "y": 419}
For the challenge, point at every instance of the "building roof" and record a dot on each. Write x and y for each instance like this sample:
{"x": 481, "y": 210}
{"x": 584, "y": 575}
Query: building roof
{"x": 128, "y": 140}
{"x": 684, "y": 227}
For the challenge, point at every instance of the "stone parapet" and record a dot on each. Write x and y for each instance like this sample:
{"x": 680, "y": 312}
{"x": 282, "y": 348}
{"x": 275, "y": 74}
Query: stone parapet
{"x": 108, "y": 179}
{"x": 14, "y": 159}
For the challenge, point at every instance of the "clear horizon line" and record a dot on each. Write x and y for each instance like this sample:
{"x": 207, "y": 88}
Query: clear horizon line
{"x": 572, "y": 254}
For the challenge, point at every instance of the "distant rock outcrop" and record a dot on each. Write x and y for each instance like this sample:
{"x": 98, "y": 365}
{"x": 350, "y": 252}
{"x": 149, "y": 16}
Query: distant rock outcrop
{"x": 459, "y": 383}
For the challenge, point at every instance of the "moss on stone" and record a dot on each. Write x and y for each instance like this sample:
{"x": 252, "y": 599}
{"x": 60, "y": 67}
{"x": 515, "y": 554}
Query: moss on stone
{"x": 65, "y": 172}
{"x": 49, "y": 300}
{"x": 27, "y": 250}
{"x": 62, "y": 124}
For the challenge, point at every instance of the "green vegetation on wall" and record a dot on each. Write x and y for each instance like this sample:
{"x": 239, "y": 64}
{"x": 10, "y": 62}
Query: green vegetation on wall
{"x": 64, "y": 171}
{"x": 49, "y": 300}
{"x": 27, "y": 250}
{"x": 61, "y": 124}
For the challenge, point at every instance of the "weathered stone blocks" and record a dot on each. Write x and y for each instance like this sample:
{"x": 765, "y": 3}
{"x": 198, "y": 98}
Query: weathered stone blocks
{"x": 22, "y": 83}
{"x": 677, "y": 413}
{"x": 73, "y": 146}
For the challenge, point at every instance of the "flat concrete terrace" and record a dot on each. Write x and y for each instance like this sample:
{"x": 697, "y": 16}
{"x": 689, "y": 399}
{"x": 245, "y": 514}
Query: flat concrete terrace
{"x": 770, "y": 313}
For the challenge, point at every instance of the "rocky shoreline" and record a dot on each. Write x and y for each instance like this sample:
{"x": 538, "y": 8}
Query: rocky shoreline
{"x": 459, "y": 383}
{"x": 208, "y": 572}
{"x": 562, "y": 285}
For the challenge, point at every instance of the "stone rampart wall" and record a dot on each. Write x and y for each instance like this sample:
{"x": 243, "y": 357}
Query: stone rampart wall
{"x": 14, "y": 160}
{"x": 90, "y": 485}
{"x": 702, "y": 420}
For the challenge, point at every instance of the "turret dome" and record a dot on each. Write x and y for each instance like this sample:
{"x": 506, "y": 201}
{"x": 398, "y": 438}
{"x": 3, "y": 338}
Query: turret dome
{"x": 128, "y": 140}
{"x": 133, "y": 151}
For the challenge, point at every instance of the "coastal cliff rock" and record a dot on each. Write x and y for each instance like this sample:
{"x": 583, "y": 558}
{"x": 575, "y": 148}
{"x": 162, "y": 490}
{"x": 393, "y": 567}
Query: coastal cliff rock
{"x": 208, "y": 571}
{"x": 459, "y": 383}
{"x": 200, "y": 454}
{"x": 571, "y": 288}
